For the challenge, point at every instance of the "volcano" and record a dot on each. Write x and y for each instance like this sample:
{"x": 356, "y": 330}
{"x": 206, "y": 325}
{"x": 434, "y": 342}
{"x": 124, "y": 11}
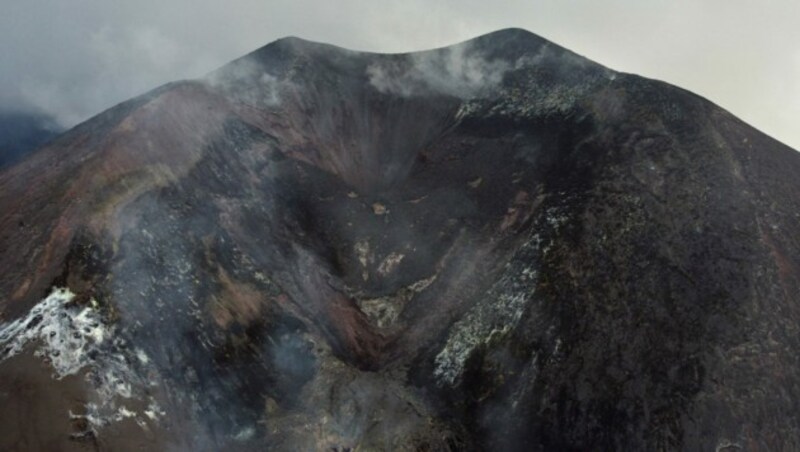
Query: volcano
{"x": 497, "y": 245}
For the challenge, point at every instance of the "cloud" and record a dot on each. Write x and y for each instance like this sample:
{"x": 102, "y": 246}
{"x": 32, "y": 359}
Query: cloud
{"x": 109, "y": 66}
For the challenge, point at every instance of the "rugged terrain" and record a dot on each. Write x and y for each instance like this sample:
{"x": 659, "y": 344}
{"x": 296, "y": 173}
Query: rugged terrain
{"x": 498, "y": 245}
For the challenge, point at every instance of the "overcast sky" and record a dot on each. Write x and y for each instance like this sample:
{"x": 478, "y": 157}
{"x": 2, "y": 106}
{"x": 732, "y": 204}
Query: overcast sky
{"x": 75, "y": 58}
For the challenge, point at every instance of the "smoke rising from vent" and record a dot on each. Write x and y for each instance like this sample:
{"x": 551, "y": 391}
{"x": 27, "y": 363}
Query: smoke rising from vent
{"x": 459, "y": 71}
{"x": 266, "y": 92}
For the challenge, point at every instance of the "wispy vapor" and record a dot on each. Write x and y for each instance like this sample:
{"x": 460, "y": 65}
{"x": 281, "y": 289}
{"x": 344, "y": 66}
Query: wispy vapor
{"x": 459, "y": 71}
{"x": 237, "y": 82}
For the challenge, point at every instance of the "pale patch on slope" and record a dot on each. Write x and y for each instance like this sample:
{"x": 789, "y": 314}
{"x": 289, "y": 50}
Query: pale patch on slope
{"x": 74, "y": 338}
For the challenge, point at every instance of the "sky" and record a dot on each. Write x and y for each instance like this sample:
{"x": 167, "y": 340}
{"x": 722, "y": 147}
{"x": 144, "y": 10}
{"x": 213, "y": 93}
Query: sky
{"x": 74, "y": 58}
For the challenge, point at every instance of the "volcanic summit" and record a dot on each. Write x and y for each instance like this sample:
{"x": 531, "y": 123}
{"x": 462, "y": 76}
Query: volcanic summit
{"x": 497, "y": 245}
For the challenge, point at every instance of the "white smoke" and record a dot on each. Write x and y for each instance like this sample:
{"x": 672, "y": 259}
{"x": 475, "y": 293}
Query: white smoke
{"x": 248, "y": 82}
{"x": 463, "y": 71}
{"x": 458, "y": 71}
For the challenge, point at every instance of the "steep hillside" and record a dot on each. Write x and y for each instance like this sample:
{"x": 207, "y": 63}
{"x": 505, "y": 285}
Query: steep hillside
{"x": 498, "y": 245}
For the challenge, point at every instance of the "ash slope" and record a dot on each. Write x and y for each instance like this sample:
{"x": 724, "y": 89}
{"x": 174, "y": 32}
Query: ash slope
{"x": 495, "y": 245}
